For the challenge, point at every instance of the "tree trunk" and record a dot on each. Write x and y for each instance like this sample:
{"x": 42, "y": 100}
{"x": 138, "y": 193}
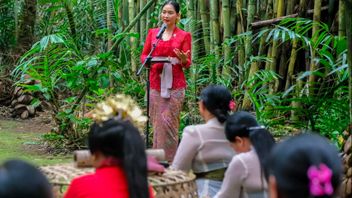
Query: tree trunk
{"x": 26, "y": 31}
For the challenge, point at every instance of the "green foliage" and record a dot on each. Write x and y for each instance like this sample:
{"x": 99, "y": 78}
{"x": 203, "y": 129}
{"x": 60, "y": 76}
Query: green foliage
{"x": 325, "y": 110}
{"x": 65, "y": 76}
{"x": 7, "y": 24}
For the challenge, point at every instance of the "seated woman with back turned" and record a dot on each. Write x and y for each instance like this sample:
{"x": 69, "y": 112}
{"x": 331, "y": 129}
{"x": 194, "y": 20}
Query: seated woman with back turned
{"x": 118, "y": 153}
{"x": 204, "y": 148}
{"x": 245, "y": 175}
{"x": 304, "y": 166}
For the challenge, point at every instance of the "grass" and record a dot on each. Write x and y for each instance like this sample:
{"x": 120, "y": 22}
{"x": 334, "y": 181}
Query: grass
{"x": 16, "y": 144}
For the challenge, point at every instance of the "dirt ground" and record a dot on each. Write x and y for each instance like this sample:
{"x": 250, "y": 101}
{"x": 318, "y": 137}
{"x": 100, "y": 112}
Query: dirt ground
{"x": 41, "y": 123}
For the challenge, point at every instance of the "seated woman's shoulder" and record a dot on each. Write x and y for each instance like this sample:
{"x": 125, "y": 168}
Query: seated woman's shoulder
{"x": 190, "y": 129}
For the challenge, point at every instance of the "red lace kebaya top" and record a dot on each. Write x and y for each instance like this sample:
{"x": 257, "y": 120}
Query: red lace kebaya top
{"x": 179, "y": 39}
{"x": 106, "y": 182}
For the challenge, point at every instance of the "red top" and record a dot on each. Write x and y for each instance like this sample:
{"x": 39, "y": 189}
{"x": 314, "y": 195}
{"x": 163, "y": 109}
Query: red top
{"x": 179, "y": 39}
{"x": 107, "y": 182}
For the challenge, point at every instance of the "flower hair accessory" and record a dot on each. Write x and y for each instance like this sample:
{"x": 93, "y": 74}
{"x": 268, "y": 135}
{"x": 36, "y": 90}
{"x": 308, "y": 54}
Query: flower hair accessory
{"x": 120, "y": 107}
{"x": 320, "y": 180}
{"x": 232, "y": 105}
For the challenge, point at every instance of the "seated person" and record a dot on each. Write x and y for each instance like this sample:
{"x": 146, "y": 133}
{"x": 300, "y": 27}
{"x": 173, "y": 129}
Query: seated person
{"x": 19, "y": 179}
{"x": 304, "y": 166}
{"x": 245, "y": 176}
{"x": 119, "y": 156}
{"x": 204, "y": 148}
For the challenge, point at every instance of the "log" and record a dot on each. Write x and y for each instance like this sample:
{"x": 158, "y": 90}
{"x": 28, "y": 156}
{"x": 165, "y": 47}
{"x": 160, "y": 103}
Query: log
{"x": 18, "y": 91}
{"x": 347, "y": 146}
{"x": 29, "y": 82}
{"x": 20, "y": 106}
{"x": 25, "y": 99}
{"x": 24, "y": 114}
{"x": 348, "y": 187}
{"x": 13, "y": 103}
{"x": 343, "y": 187}
{"x": 31, "y": 110}
{"x": 349, "y": 172}
{"x": 259, "y": 24}
{"x": 349, "y": 159}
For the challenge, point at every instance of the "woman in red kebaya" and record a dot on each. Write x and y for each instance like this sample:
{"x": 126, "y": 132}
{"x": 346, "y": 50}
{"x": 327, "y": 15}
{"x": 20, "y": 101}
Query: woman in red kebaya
{"x": 120, "y": 162}
{"x": 167, "y": 80}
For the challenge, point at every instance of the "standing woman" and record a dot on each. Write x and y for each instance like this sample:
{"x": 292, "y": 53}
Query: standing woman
{"x": 167, "y": 81}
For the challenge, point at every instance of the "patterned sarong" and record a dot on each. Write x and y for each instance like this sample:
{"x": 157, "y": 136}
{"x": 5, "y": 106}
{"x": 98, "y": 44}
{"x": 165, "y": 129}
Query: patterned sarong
{"x": 165, "y": 118}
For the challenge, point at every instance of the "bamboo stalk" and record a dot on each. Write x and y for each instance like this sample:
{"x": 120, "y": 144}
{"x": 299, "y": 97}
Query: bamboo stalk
{"x": 250, "y": 18}
{"x": 108, "y": 22}
{"x": 255, "y": 67}
{"x": 109, "y": 37}
{"x": 227, "y": 35}
{"x": 342, "y": 22}
{"x": 348, "y": 21}
{"x": 241, "y": 49}
{"x": 204, "y": 15}
{"x": 192, "y": 14}
{"x": 233, "y": 17}
{"x": 131, "y": 14}
{"x": 133, "y": 22}
{"x": 214, "y": 16}
{"x": 143, "y": 22}
{"x": 293, "y": 56}
{"x": 275, "y": 50}
{"x": 290, "y": 6}
{"x": 315, "y": 30}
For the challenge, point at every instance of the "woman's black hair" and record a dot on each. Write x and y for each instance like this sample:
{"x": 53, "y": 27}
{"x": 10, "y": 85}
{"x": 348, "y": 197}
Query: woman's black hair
{"x": 120, "y": 139}
{"x": 290, "y": 160}
{"x": 216, "y": 98}
{"x": 244, "y": 124}
{"x": 20, "y": 179}
{"x": 174, "y": 4}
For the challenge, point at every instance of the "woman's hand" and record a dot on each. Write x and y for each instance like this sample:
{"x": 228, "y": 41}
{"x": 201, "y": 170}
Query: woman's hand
{"x": 182, "y": 55}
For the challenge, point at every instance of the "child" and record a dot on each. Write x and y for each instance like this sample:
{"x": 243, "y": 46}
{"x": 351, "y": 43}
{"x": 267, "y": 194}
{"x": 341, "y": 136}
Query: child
{"x": 118, "y": 154}
{"x": 304, "y": 166}
{"x": 245, "y": 175}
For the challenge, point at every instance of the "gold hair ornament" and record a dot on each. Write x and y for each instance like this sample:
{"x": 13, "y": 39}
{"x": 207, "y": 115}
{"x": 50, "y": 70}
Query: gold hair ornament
{"x": 121, "y": 107}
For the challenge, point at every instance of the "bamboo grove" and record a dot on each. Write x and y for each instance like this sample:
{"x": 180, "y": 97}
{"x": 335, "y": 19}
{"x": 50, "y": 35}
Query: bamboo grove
{"x": 287, "y": 60}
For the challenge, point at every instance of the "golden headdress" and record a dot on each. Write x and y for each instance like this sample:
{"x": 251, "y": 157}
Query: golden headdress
{"x": 122, "y": 107}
